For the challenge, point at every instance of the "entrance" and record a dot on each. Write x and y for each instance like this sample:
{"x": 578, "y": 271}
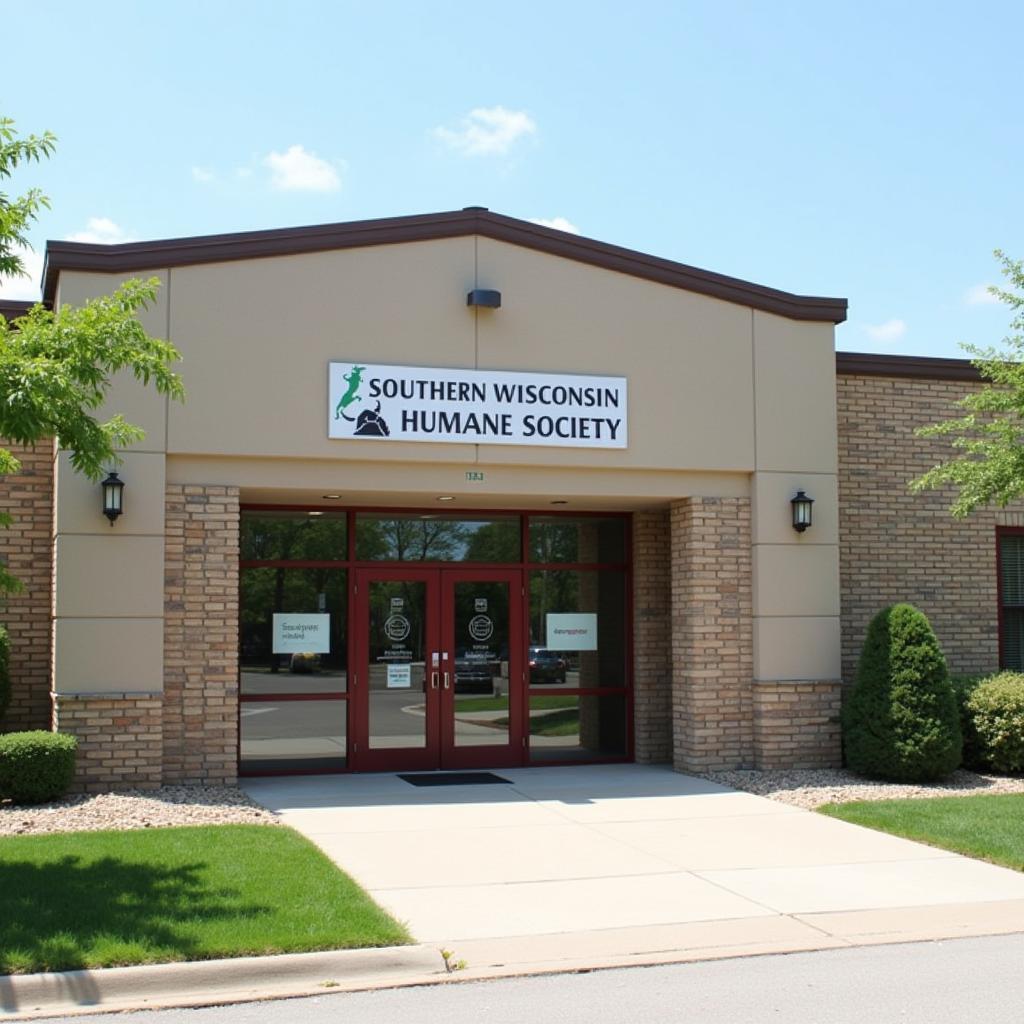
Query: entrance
{"x": 438, "y": 674}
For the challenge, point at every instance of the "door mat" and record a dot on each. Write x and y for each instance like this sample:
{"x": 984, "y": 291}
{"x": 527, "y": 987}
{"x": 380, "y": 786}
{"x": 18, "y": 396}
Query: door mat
{"x": 455, "y": 779}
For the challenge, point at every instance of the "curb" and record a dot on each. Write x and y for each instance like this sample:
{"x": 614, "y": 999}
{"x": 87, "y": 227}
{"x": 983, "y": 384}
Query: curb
{"x": 211, "y": 982}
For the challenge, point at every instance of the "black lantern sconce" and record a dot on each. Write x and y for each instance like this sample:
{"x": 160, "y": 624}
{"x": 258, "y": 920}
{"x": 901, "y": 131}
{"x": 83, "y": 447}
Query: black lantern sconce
{"x": 113, "y": 496}
{"x": 801, "y": 511}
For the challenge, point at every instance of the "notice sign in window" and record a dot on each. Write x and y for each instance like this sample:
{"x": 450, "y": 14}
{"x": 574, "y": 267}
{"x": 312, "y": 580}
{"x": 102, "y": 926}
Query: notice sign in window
{"x": 301, "y": 634}
{"x": 576, "y": 632}
{"x": 418, "y": 403}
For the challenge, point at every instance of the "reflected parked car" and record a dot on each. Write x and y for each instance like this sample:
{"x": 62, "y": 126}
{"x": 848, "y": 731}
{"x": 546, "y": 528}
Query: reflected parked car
{"x": 546, "y": 667}
{"x": 474, "y": 675}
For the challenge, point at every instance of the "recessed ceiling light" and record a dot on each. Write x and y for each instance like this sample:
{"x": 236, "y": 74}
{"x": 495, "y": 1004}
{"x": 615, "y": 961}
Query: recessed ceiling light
{"x": 446, "y": 497}
{"x": 332, "y": 497}
{"x": 316, "y": 513}
{"x": 560, "y": 501}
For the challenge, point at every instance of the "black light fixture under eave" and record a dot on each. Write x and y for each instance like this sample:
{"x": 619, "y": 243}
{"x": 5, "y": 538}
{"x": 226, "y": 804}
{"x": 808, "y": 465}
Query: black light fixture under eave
{"x": 113, "y": 496}
{"x": 488, "y": 298}
{"x": 801, "y": 511}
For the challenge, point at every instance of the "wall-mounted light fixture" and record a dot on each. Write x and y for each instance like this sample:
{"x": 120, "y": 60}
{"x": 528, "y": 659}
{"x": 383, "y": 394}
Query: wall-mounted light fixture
{"x": 801, "y": 511}
{"x": 487, "y": 298}
{"x": 113, "y": 496}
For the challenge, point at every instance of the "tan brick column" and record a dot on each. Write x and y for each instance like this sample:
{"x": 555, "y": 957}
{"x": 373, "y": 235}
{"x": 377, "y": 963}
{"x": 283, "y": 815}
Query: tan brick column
{"x": 26, "y": 549}
{"x": 200, "y": 722}
{"x": 712, "y": 634}
{"x": 652, "y": 638}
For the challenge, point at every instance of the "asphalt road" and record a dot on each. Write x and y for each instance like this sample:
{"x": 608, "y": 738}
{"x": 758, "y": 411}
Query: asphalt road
{"x": 956, "y": 981}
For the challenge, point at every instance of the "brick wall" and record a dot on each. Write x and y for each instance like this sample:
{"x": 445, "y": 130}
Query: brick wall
{"x": 712, "y": 634}
{"x": 898, "y": 546}
{"x": 796, "y": 725}
{"x": 118, "y": 734}
{"x": 200, "y": 720}
{"x": 27, "y": 550}
{"x": 652, "y": 638}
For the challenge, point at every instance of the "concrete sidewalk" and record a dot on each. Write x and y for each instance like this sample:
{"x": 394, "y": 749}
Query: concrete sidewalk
{"x": 628, "y": 851}
{"x": 569, "y": 869}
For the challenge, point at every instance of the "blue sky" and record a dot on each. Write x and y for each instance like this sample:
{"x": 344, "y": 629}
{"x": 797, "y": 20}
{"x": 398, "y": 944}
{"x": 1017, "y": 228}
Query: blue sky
{"x": 866, "y": 150}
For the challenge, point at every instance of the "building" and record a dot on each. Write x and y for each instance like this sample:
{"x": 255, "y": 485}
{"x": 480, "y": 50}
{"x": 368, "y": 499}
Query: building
{"x": 458, "y": 490}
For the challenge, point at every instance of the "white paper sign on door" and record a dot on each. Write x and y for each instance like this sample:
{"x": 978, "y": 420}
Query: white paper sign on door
{"x": 301, "y": 634}
{"x": 399, "y": 677}
{"x": 575, "y": 632}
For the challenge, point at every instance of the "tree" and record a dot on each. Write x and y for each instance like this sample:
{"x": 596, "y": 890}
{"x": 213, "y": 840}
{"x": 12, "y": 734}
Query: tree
{"x": 56, "y": 366}
{"x": 990, "y": 435}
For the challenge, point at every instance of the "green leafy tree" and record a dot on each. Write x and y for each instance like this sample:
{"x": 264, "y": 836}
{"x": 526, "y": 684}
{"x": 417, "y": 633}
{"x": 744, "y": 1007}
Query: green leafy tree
{"x": 901, "y": 721}
{"x": 56, "y": 366}
{"x": 989, "y": 437}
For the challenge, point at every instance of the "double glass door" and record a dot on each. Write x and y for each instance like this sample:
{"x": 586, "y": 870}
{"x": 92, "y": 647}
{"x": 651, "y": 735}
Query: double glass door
{"x": 438, "y": 678}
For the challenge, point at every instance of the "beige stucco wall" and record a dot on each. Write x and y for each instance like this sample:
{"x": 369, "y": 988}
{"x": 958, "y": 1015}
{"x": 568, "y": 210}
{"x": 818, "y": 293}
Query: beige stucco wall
{"x": 108, "y": 600}
{"x": 724, "y": 401}
{"x": 795, "y": 576}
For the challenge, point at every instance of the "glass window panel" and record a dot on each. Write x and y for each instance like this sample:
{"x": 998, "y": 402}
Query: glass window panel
{"x": 577, "y": 627}
{"x": 291, "y": 735}
{"x": 426, "y": 537}
{"x": 587, "y": 539}
{"x": 1011, "y": 568}
{"x": 1013, "y": 638}
{"x": 298, "y": 536}
{"x": 481, "y": 638}
{"x": 397, "y": 669}
{"x": 295, "y": 591}
{"x": 577, "y": 728}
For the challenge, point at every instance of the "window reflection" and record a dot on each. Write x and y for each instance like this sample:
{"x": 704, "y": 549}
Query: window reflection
{"x": 577, "y": 627}
{"x": 295, "y": 536}
{"x": 577, "y": 728}
{"x": 586, "y": 539}
{"x": 435, "y": 538}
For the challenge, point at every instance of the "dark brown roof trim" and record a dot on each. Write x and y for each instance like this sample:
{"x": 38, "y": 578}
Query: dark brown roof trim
{"x": 181, "y": 252}
{"x": 11, "y": 309}
{"x": 866, "y": 364}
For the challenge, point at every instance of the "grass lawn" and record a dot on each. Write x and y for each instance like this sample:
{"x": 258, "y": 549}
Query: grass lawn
{"x": 105, "y": 899}
{"x": 501, "y": 703}
{"x": 988, "y": 827}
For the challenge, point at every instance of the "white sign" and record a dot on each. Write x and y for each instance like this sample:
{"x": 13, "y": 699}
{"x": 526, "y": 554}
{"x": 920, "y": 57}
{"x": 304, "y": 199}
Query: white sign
{"x": 417, "y": 403}
{"x": 399, "y": 677}
{"x": 576, "y": 632}
{"x": 301, "y": 634}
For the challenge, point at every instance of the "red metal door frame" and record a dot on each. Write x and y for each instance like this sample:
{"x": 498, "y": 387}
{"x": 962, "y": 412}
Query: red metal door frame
{"x": 440, "y": 751}
{"x": 363, "y": 757}
{"x": 514, "y": 753}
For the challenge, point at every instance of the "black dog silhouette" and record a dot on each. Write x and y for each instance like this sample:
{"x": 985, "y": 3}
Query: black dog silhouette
{"x": 371, "y": 424}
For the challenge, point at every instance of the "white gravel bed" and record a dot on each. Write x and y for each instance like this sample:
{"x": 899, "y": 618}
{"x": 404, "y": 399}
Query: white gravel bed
{"x": 812, "y": 788}
{"x": 136, "y": 808}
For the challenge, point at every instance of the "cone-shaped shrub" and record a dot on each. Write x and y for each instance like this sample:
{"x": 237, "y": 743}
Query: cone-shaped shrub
{"x": 901, "y": 722}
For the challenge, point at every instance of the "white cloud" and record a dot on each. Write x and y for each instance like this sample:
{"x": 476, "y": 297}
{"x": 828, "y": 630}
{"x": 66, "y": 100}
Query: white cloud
{"x": 979, "y": 295}
{"x": 101, "y": 231}
{"x": 202, "y": 175}
{"x": 487, "y": 131}
{"x": 24, "y": 287}
{"x": 558, "y": 223}
{"x": 891, "y": 330}
{"x": 298, "y": 170}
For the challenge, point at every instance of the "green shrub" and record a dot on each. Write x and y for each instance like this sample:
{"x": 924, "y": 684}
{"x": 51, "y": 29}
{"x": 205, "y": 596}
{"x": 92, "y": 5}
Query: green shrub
{"x": 963, "y": 687}
{"x": 900, "y": 721}
{"x": 36, "y": 766}
{"x": 5, "y": 677}
{"x": 996, "y": 708}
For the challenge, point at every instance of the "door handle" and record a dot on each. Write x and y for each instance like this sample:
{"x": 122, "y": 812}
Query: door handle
{"x": 446, "y": 677}
{"x": 433, "y": 680}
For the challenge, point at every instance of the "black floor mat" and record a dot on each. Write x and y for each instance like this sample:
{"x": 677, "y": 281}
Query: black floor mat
{"x": 454, "y": 779}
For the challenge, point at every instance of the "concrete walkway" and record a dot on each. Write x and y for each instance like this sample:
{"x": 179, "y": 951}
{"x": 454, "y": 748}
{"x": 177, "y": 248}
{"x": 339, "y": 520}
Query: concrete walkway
{"x": 581, "y": 866}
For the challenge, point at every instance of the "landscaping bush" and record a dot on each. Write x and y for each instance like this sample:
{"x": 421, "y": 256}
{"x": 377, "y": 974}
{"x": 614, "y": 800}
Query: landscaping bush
{"x": 963, "y": 687}
{"x": 900, "y": 721}
{"x": 996, "y": 709}
{"x": 5, "y": 677}
{"x": 35, "y": 766}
